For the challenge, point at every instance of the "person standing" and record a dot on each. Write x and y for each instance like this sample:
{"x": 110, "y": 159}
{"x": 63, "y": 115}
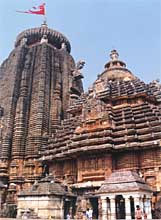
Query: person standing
{"x": 87, "y": 214}
{"x": 90, "y": 213}
{"x": 138, "y": 213}
{"x": 68, "y": 216}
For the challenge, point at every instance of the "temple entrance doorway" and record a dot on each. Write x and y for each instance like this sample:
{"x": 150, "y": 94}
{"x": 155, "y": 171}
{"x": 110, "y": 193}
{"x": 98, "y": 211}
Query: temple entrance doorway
{"x": 120, "y": 207}
{"x": 69, "y": 207}
{"x": 94, "y": 204}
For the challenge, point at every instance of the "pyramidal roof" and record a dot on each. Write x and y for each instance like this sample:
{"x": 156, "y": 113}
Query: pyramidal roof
{"x": 124, "y": 181}
{"x": 124, "y": 177}
{"x": 46, "y": 186}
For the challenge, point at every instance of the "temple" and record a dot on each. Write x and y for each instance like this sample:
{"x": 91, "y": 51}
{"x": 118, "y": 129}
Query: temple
{"x": 63, "y": 150}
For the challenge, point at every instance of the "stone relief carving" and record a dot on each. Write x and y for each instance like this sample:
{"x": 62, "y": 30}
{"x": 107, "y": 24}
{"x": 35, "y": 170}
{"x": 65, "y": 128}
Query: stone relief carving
{"x": 23, "y": 41}
{"x": 76, "y": 72}
{"x": 63, "y": 46}
{"x": 44, "y": 39}
{"x": 80, "y": 64}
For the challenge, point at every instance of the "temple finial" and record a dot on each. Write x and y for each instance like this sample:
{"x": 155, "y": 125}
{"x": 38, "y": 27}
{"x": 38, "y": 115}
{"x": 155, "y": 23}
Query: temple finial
{"x": 44, "y": 24}
{"x": 114, "y": 55}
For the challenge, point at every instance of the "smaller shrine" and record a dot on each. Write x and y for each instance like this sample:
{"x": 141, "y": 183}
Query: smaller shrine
{"x": 46, "y": 199}
{"x": 120, "y": 194}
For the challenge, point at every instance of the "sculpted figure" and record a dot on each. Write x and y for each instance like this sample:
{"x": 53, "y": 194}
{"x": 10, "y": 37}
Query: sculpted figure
{"x": 24, "y": 41}
{"x": 63, "y": 46}
{"x": 76, "y": 72}
{"x": 44, "y": 39}
{"x": 80, "y": 64}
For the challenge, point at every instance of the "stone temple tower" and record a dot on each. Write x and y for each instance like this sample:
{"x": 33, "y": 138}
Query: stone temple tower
{"x": 38, "y": 81}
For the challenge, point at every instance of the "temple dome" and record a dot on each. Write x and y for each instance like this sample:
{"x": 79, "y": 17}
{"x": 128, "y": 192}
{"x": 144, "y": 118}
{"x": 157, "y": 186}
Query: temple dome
{"x": 116, "y": 69}
{"x": 34, "y": 35}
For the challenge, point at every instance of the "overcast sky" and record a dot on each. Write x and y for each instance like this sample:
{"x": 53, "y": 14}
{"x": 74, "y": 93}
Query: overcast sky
{"x": 94, "y": 28}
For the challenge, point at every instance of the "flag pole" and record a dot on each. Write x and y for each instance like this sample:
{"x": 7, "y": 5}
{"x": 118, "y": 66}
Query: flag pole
{"x": 45, "y": 20}
{"x": 45, "y": 17}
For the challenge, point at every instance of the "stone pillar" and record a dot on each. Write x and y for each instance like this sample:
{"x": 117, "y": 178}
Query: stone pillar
{"x": 136, "y": 201}
{"x": 104, "y": 208}
{"x": 142, "y": 203}
{"x": 127, "y": 207}
{"x": 84, "y": 204}
{"x": 99, "y": 208}
{"x": 113, "y": 208}
{"x": 0, "y": 201}
{"x": 81, "y": 207}
{"x": 61, "y": 214}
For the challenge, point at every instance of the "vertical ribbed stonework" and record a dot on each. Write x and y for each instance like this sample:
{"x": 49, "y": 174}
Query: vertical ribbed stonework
{"x": 55, "y": 92}
{"x": 20, "y": 123}
{"x": 10, "y": 77}
{"x": 14, "y": 78}
{"x": 66, "y": 75}
{"x": 38, "y": 106}
{"x": 49, "y": 97}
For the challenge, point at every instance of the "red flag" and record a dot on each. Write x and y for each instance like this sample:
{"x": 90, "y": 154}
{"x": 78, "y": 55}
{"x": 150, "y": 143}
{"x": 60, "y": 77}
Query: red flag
{"x": 40, "y": 10}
